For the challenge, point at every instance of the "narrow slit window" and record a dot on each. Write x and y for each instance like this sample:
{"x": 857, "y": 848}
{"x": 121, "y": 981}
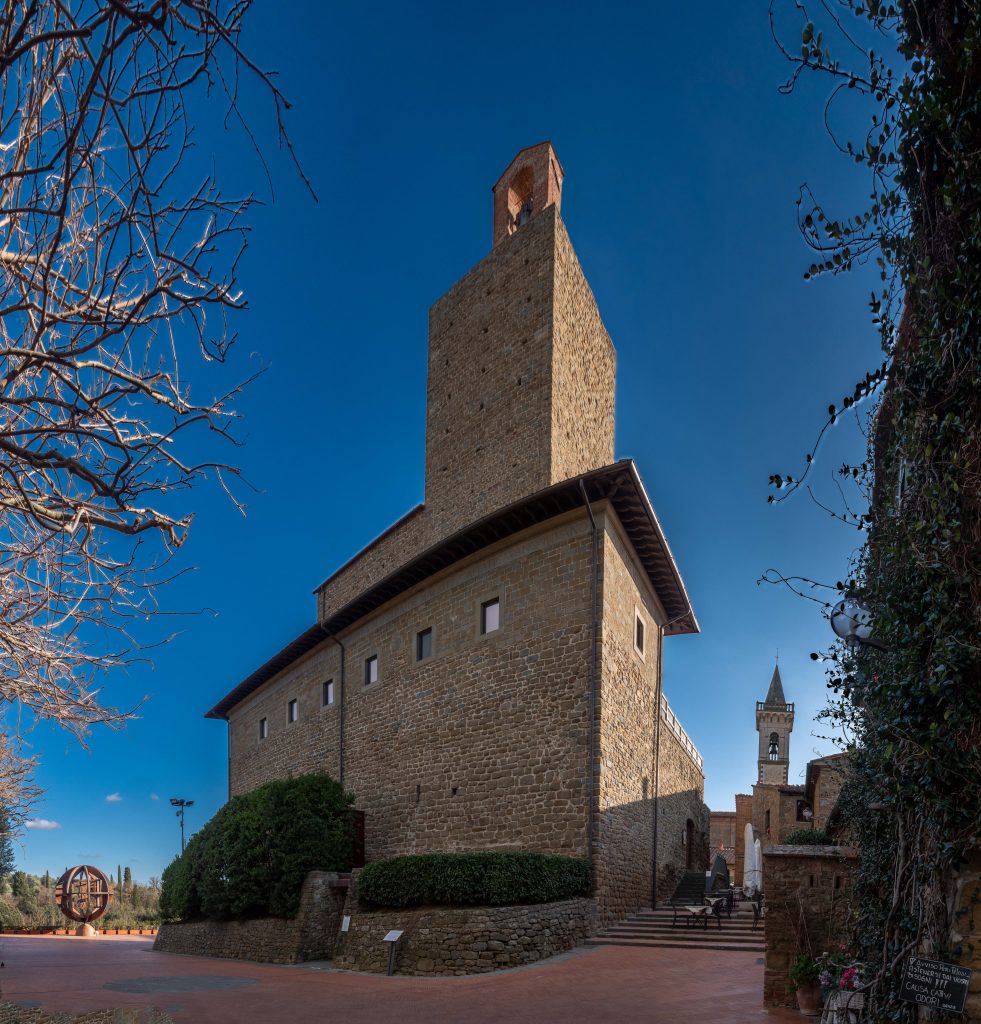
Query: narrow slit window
{"x": 263, "y": 728}
{"x": 292, "y": 711}
{"x": 328, "y": 693}
{"x": 490, "y": 615}
{"x": 371, "y": 670}
{"x": 639, "y": 634}
{"x": 424, "y": 644}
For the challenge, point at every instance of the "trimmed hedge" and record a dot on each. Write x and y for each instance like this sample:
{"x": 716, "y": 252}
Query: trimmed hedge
{"x": 808, "y": 837}
{"x": 473, "y": 879}
{"x": 251, "y": 859}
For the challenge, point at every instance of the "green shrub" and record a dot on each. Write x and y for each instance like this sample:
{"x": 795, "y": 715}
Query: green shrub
{"x": 808, "y": 837}
{"x": 10, "y": 916}
{"x": 251, "y": 859}
{"x": 473, "y": 878}
{"x": 180, "y": 899}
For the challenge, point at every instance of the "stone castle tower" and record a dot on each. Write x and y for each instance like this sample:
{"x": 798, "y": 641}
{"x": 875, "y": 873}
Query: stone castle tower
{"x": 774, "y": 723}
{"x": 521, "y": 369}
{"x": 486, "y": 673}
{"x": 521, "y": 378}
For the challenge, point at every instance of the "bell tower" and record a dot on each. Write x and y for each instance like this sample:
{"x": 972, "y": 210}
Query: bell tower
{"x": 774, "y": 723}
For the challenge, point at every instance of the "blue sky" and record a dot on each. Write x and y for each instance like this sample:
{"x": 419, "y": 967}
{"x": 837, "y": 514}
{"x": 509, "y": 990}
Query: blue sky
{"x": 682, "y": 168}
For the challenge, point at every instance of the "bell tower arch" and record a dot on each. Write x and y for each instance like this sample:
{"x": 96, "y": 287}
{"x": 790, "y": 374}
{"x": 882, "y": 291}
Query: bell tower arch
{"x": 774, "y": 723}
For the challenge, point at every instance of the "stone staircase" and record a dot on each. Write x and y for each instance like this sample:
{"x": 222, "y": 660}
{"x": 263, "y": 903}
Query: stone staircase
{"x": 653, "y": 928}
{"x": 690, "y": 889}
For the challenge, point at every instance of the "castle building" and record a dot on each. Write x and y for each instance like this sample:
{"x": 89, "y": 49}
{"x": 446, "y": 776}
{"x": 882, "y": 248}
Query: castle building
{"x": 486, "y": 674}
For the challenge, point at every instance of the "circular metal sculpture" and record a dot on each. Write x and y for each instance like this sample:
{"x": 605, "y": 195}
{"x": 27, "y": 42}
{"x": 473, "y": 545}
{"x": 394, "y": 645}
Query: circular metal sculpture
{"x": 83, "y": 893}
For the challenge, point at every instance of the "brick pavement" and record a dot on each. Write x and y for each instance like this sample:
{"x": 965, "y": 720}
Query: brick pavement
{"x": 605, "y": 985}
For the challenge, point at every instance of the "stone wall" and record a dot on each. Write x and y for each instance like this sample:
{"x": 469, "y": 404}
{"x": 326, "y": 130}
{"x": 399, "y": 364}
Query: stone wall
{"x": 11, "y": 1013}
{"x": 484, "y": 744}
{"x": 681, "y": 785}
{"x": 809, "y": 884}
{"x": 626, "y": 721}
{"x": 308, "y": 936}
{"x": 829, "y": 775}
{"x": 461, "y": 940}
{"x": 780, "y": 802}
{"x": 722, "y": 834}
{"x": 583, "y": 370}
{"x": 624, "y": 849}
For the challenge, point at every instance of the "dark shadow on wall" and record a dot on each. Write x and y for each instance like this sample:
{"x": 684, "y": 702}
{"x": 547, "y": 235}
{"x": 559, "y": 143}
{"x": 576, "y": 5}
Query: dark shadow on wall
{"x": 624, "y": 850}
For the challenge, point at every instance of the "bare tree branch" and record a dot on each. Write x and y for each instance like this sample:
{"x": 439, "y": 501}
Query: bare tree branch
{"x": 117, "y": 266}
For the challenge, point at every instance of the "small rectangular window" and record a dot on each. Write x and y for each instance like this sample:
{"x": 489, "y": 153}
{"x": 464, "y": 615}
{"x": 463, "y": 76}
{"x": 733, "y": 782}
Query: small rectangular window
{"x": 639, "y": 634}
{"x": 490, "y": 615}
{"x": 371, "y": 670}
{"x": 263, "y": 728}
{"x": 328, "y": 693}
{"x": 292, "y": 711}
{"x": 424, "y": 644}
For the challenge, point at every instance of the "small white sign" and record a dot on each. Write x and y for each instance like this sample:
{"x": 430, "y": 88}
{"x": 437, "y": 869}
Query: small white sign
{"x": 392, "y": 936}
{"x": 346, "y": 923}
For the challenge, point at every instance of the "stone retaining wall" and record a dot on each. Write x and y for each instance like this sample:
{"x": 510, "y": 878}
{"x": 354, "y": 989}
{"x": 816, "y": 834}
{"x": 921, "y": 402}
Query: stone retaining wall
{"x": 11, "y": 1013}
{"x": 807, "y": 888}
{"x": 462, "y": 940}
{"x": 308, "y": 936}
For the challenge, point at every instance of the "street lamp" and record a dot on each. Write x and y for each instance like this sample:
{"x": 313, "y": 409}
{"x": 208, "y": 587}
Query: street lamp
{"x": 852, "y": 622}
{"x": 180, "y": 803}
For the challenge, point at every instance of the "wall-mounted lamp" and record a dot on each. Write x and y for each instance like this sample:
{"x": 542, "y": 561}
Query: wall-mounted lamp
{"x": 852, "y": 622}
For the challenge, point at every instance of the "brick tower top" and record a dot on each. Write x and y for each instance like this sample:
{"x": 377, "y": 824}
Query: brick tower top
{"x": 532, "y": 181}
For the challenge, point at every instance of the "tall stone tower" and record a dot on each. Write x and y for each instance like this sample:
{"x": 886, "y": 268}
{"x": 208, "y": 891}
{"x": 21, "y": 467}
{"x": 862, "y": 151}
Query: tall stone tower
{"x": 774, "y": 723}
{"x": 521, "y": 369}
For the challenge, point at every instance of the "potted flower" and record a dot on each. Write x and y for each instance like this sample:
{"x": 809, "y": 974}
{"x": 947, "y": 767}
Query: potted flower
{"x": 842, "y": 983}
{"x": 805, "y": 978}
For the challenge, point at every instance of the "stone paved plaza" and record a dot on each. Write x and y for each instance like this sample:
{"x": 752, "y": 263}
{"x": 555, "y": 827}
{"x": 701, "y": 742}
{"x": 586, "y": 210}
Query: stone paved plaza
{"x": 607, "y": 985}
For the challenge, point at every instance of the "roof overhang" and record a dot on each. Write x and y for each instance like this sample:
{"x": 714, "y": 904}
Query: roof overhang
{"x": 619, "y": 484}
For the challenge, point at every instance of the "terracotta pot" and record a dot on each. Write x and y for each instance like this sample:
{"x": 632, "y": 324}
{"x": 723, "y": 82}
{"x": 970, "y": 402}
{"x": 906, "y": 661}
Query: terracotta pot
{"x": 809, "y": 999}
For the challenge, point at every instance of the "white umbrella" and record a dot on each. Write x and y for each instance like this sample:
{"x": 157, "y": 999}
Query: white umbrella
{"x": 758, "y": 864}
{"x": 749, "y": 856}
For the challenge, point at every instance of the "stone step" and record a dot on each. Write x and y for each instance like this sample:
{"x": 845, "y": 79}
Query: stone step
{"x": 712, "y": 943}
{"x": 689, "y": 938}
{"x": 732, "y": 923}
{"x": 644, "y": 929}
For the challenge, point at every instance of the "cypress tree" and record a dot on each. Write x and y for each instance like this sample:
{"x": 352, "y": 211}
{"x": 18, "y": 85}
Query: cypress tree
{"x": 6, "y": 849}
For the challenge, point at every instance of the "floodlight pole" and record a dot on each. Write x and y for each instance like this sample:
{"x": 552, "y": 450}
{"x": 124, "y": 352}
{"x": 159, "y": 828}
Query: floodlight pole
{"x": 180, "y": 803}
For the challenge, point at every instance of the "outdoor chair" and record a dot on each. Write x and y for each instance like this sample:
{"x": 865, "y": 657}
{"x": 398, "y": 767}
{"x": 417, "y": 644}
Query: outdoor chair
{"x": 718, "y": 909}
{"x": 759, "y": 912}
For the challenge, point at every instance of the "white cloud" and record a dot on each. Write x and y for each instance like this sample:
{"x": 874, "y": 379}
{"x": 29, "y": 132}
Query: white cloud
{"x": 113, "y": 798}
{"x": 42, "y": 823}
{"x": 153, "y": 796}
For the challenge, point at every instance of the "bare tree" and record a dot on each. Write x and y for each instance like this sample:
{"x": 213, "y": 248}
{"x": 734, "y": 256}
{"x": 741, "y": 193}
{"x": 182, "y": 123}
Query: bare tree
{"x": 117, "y": 271}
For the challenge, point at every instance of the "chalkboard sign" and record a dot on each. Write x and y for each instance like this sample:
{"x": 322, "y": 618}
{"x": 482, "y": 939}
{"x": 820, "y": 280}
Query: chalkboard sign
{"x": 933, "y": 983}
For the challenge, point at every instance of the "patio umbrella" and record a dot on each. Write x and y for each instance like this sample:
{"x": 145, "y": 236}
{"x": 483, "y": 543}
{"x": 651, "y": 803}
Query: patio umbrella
{"x": 758, "y": 864}
{"x": 749, "y": 856}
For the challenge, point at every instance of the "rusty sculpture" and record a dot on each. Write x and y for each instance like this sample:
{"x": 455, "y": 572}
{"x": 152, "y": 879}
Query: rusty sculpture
{"x": 83, "y": 894}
